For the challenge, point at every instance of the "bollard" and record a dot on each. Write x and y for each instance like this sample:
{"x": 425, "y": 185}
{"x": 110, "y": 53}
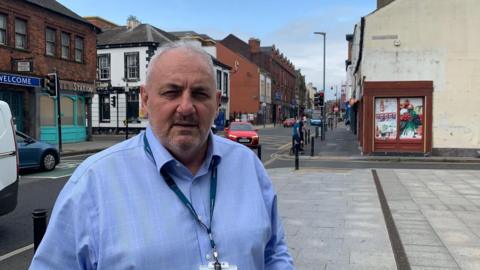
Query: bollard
{"x": 316, "y": 132}
{"x": 308, "y": 135}
{"x": 312, "y": 148}
{"x": 259, "y": 151}
{"x": 39, "y": 226}
{"x": 296, "y": 158}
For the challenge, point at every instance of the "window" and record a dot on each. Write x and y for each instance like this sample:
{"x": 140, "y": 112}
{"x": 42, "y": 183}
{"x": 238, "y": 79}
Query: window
{"x": 67, "y": 104}
{"x": 47, "y": 111}
{"x": 219, "y": 79}
{"x": 50, "y": 41}
{"x": 3, "y": 29}
{"x": 103, "y": 65}
{"x": 80, "y": 112}
{"x": 65, "y": 46}
{"x": 225, "y": 84}
{"x": 132, "y": 106}
{"x": 20, "y": 34}
{"x": 79, "y": 49}
{"x": 131, "y": 66}
{"x": 104, "y": 104}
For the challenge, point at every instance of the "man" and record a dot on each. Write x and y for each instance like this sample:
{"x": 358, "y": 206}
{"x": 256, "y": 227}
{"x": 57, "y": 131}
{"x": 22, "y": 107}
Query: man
{"x": 173, "y": 197}
{"x": 297, "y": 136}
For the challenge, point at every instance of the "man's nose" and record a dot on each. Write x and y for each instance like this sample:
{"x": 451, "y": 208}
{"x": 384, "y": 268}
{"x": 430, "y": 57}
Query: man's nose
{"x": 186, "y": 106}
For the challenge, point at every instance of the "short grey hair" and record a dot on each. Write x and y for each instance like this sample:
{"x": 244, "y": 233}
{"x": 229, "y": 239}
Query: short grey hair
{"x": 180, "y": 44}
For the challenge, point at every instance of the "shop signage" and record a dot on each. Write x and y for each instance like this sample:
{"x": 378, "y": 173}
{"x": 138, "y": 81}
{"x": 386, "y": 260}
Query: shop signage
{"x": 23, "y": 65}
{"x": 6, "y": 78}
{"x": 77, "y": 86}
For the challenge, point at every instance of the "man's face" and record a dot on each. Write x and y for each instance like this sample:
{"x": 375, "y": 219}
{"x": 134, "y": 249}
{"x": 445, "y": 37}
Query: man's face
{"x": 181, "y": 100}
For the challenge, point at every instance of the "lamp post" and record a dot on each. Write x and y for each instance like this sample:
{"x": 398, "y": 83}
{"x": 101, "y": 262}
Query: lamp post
{"x": 264, "y": 106}
{"x": 324, "y": 34}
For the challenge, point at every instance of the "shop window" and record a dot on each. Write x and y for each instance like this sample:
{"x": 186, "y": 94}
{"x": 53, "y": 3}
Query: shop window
{"x": 386, "y": 118}
{"x": 20, "y": 33}
{"x": 411, "y": 118}
{"x": 3, "y": 29}
{"x": 132, "y": 66}
{"x": 398, "y": 119}
{"x": 66, "y": 107}
{"x": 133, "y": 106}
{"x": 47, "y": 111}
{"x": 104, "y": 107}
{"x": 65, "y": 46}
{"x": 79, "y": 49}
{"x": 80, "y": 112}
{"x": 50, "y": 41}
{"x": 103, "y": 62}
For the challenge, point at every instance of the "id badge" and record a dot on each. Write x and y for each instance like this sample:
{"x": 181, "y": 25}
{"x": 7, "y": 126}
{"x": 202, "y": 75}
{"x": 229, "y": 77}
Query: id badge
{"x": 225, "y": 266}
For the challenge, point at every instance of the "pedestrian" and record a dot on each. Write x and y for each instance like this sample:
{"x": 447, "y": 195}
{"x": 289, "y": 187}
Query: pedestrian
{"x": 297, "y": 137}
{"x": 172, "y": 197}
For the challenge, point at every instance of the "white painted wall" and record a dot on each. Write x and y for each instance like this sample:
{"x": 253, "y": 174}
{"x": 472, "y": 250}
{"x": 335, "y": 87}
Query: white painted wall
{"x": 431, "y": 40}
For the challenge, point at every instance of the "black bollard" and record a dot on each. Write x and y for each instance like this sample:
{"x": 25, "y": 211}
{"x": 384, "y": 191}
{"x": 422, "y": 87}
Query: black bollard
{"x": 308, "y": 135}
{"x": 39, "y": 226}
{"x": 296, "y": 158}
{"x": 316, "y": 132}
{"x": 259, "y": 151}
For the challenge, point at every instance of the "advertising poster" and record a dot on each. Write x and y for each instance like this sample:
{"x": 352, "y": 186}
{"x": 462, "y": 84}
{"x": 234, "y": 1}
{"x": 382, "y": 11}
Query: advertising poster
{"x": 385, "y": 118}
{"x": 411, "y": 118}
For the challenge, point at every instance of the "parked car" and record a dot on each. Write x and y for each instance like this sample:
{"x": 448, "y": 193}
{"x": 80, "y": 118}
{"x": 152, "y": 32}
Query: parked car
{"x": 244, "y": 133}
{"x": 35, "y": 154}
{"x": 8, "y": 161}
{"x": 289, "y": 122}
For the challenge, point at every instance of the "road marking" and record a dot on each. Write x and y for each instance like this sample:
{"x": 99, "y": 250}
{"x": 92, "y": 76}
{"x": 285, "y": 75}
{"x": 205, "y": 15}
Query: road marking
{"x": 15, "y": 252}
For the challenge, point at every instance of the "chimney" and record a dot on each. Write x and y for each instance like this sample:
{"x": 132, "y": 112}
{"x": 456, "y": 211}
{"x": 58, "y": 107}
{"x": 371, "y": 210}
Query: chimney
{"x": 254, "y": 44}
{"x": 382, "y": 3}
{"x": 132, "y": 22}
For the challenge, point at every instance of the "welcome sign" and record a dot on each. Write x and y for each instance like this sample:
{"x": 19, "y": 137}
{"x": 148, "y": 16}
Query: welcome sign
{"x": 6, "y": 78}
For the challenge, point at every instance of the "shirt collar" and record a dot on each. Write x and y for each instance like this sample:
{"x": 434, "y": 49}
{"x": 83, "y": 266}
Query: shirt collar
{"x": 162, "y": 156}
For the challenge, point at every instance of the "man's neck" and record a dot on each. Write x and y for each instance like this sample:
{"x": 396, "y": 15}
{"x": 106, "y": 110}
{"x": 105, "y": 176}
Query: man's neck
{"x": 193, "y": 159}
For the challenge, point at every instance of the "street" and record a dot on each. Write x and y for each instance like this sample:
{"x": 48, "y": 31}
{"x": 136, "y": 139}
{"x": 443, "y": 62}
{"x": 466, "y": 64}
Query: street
{"x": 337, "y": 187}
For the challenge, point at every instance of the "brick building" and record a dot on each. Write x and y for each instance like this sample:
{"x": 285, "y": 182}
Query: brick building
{"x": 281, "y": 70}
{"x": 38, "y": 37}
{"x": 244, "y": 82}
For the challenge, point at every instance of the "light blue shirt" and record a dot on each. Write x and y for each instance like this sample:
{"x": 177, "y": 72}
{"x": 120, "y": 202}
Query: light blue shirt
{"x": 116, "y": 212}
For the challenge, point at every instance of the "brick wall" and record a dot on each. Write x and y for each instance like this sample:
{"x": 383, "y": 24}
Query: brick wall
{"x": 37, "y": 20}
{"x": 244, "y": 81}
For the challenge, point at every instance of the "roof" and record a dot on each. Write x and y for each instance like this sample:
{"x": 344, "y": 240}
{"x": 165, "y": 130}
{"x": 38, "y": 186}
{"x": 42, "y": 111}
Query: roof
{"x": 143, "y": 33}
{"x": 56, "y": 7}
{"x": 193, "y": 34}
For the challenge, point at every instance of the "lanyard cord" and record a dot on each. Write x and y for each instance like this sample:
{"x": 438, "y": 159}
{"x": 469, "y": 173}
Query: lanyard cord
{"x": 173, "y": 186}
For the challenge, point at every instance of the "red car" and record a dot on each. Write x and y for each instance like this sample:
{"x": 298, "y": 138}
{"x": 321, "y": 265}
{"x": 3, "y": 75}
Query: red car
{"x": 244, "y": 133}
{"x": 289, "y": 122}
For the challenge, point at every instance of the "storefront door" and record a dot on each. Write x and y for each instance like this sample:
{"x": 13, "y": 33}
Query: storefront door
{"x": 15, "y": 101}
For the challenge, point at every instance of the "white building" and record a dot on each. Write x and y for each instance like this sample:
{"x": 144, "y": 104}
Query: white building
{"x": 417, "y": 59}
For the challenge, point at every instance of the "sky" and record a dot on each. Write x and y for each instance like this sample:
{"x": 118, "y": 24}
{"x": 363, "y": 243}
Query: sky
{"x": 287, "y": 24}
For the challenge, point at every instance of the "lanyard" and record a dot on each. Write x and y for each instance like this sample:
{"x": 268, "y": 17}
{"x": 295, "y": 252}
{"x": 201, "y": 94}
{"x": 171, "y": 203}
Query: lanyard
{"x": 173, "y": 186}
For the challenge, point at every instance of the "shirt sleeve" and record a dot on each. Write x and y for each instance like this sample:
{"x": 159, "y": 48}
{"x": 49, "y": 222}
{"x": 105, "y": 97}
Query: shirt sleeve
{"x": 276, "y": 251}
{"x": 68, "y": 243}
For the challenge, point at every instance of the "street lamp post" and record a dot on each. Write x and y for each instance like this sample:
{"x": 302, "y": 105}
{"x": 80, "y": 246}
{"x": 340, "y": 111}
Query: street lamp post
{"x": 324, "y": 34}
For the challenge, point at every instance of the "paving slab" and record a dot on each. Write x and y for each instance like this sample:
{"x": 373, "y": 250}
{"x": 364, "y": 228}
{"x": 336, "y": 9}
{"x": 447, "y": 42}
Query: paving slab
{"x": 333, "y": 220}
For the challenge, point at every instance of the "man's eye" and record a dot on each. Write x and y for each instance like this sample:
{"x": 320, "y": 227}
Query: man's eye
{"x": 170, "y": 93}
{"x": 201, "y": 95}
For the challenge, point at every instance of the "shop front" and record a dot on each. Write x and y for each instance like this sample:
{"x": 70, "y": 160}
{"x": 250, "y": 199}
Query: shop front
{"x": 396, "y": 117}
{"x": 74, "y": 103}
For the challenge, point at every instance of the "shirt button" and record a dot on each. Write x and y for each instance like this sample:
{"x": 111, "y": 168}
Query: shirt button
{"x": 208, "y": 257}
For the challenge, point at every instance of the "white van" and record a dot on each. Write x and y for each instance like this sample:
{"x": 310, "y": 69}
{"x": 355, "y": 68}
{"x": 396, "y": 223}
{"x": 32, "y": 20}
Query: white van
{"x": 8, "y": 161}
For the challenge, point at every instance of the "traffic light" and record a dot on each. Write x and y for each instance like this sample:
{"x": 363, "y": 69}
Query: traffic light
{"x": 321, "y": 101}
{"x": 316, "y": 99}
{"x": 114, "y": 101}
{"x": 50, "y": 84}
